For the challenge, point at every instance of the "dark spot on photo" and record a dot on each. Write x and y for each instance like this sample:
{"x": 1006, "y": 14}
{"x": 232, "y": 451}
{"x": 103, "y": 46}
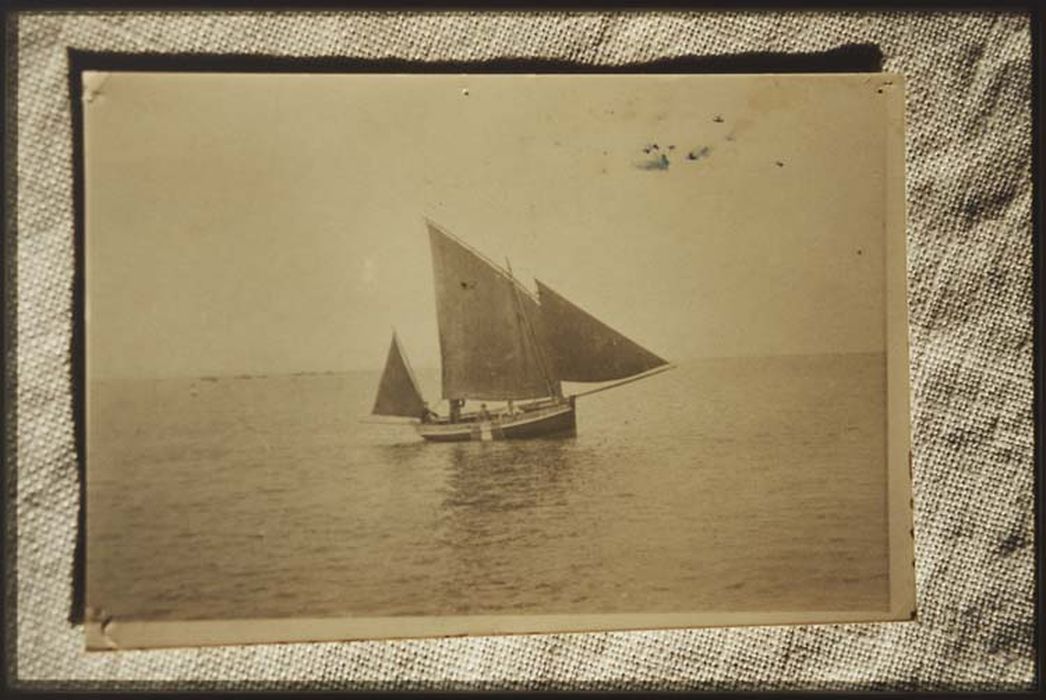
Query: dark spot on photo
{"x": 779, "y": 164}
{"x": 698, "y": 153}
{"x": 717, "y": 119}
{"x": 858, "y": 251}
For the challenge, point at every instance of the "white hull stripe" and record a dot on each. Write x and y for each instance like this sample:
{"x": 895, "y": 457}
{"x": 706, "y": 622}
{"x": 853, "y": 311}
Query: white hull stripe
{"x": 486, "y": 428}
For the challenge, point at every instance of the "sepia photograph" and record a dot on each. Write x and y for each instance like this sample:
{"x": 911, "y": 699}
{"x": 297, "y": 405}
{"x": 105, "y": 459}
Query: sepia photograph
{"x": 410, "y": 355}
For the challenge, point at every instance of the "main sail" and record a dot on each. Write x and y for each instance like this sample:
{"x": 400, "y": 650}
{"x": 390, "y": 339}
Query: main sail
{"x": 584, "y": 349}
{"x": 398, "y": 392}
{"x": 487, "y": 334}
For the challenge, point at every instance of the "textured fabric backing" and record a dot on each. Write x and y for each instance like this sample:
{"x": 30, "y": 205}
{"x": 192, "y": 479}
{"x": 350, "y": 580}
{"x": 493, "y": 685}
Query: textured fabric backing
{"x": 969, "y": 275}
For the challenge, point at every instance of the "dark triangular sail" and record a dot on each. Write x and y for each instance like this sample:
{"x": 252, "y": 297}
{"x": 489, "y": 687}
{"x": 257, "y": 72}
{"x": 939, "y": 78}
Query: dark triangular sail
{"x": 488, "y": 346}
{"x": 398, "y": 392}
{"x": 584, "y": 349}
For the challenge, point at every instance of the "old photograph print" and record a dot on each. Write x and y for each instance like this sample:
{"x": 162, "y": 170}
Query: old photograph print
{"x": 411, "y": 355}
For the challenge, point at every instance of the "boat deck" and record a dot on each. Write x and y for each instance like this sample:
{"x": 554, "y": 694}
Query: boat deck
{"x": 543, "y": 419}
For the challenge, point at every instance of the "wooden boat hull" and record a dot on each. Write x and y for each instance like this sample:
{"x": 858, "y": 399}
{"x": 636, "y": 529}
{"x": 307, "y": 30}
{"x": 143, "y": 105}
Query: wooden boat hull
{"x": 557, "y": 420}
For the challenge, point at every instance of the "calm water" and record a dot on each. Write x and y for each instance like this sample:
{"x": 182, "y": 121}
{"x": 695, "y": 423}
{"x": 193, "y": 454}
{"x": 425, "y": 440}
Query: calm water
{"x": 724, "y": 485}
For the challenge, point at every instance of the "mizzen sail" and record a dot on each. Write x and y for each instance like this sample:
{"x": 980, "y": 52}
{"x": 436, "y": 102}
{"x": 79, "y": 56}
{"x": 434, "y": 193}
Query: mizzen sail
{"x": 398, "y": 392}
{"x": 489, "y": 347}
{"x": 584, "y": 349}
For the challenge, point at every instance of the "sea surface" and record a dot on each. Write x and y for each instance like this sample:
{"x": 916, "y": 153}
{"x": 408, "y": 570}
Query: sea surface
{"x": 745, "y": 484}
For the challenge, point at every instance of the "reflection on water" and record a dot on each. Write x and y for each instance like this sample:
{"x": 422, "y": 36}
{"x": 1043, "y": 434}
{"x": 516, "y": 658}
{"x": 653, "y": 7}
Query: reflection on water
{"x": 502, "y": 476}
{"x": 266, "y": 497}
{"x": 503, "y": 506}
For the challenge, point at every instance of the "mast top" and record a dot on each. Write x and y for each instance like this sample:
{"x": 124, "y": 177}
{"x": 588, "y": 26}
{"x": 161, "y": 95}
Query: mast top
{"x": 506, "y": 273}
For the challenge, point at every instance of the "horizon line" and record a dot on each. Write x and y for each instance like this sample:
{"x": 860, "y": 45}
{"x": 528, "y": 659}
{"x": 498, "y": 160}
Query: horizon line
{"x": 214, "y": 376}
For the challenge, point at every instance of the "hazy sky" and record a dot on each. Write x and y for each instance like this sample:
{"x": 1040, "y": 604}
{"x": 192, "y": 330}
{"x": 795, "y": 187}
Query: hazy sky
{"x": 274, "y": 223}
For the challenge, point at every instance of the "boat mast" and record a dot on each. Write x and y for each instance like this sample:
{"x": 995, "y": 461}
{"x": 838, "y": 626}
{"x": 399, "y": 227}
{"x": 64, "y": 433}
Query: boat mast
{"x": 553, "y": 386}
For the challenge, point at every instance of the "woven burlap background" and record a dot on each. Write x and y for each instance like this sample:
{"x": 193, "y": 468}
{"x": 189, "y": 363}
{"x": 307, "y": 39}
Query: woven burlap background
{"x": 969, "y": 271}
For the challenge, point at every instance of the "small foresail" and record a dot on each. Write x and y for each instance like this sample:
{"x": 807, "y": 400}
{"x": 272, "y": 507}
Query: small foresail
{"x": 398, "y": 392}
{"x": 583, "y": 348}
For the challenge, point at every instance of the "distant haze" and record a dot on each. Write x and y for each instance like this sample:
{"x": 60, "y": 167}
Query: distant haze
{"x": 261, "y": 224}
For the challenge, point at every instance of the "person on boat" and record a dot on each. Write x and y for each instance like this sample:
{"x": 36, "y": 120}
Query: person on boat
{"x": 455, "y": 409}
{"x": 484, "y": 414}
{"x": 427, "y": 414}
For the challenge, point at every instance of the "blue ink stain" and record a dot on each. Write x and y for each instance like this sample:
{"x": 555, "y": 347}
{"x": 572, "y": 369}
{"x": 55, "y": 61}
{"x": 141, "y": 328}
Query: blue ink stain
{"x": 698, "y": 153}
{"x": 659, "y": 163}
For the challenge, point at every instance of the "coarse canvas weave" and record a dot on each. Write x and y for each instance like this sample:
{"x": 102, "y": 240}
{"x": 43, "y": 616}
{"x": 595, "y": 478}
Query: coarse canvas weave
{"x": 969, "y": 275}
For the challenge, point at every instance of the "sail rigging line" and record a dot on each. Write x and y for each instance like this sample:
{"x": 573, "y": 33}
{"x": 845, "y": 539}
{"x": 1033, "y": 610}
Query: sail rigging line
{"x": 636, "y": 378}
{"x": 497, "y": 268}
{"x": 529, "y": 328}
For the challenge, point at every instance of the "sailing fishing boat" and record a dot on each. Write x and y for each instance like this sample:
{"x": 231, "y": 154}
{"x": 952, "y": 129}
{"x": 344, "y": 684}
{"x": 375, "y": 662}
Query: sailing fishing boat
{"x": 500, "y": 342}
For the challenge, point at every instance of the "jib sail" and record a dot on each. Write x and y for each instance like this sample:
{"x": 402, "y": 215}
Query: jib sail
{"x": 582, "y": 348}
{"x": 398, "y": 392}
